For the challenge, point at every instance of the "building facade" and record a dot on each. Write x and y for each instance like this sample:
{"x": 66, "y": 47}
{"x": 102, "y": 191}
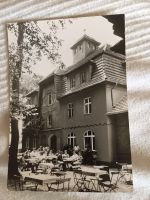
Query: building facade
{"x": 86, "y": 103}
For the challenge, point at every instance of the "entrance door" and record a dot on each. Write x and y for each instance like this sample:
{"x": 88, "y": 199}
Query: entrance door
{"x": 54, "y": 142}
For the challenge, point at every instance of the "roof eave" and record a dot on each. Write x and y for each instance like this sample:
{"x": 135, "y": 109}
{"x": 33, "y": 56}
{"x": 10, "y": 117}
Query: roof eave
{"x": 116, "y": 112}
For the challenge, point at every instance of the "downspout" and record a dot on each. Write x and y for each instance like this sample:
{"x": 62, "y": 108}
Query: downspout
{"x": 112, "y": 101}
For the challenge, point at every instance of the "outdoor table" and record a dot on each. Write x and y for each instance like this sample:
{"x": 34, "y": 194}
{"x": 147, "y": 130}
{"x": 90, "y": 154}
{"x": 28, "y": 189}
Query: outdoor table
{"x": 46, "y": 165}
{"x": 40, "y": 179}
{"x": 100, "y": 166}
{"x": 67, "y": 161}
{"x": 51, "y": 157}
{"x": 32, "y": 160}
{"x": 60, "y": 173}
{"x": 91, "y": 171}
{"x": 92, "y": 176}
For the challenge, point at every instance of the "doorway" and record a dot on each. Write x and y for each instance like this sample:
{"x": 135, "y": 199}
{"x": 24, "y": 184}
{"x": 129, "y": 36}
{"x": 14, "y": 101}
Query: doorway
{"x": 53, "y": 143}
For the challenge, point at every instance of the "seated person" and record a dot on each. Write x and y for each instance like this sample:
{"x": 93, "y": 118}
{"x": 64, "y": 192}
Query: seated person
{"x": 65, "y": 155}
{"x": 80, "y": 158}
{"x": 42, "y": 156}
{"x": 22, "y": 163}
{"x": 26, "y": 154}
{"x": 74, "y": 157}
{"x": 50, "y": 153}
{"x": 76, "y": 148}
{"x": 33, "y": 153}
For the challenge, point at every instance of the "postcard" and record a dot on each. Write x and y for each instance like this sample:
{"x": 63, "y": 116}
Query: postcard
{"x": 68, "y": 105}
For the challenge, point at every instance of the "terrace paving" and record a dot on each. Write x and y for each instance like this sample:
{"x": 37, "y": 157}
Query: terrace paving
{"x": 122, "y": 186}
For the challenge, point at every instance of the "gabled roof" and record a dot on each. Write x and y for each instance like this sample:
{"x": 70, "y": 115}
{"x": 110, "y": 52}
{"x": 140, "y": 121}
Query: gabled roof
{"x": 32, "y": 92}
{"x": 83, "y": 86}
{"x": 47, "y": 77}
{"x": 85, "y": 37}
{"x": 80, "y": 63}
{"x": 120, "y": 107}
{"x": 87, "y": 59}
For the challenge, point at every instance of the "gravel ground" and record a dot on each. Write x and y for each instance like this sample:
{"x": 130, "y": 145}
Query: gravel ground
{"x": 122, "y": 185}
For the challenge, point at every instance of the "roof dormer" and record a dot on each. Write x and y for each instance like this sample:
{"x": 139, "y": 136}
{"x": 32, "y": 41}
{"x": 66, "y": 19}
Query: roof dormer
{"x": 83, "y": 47}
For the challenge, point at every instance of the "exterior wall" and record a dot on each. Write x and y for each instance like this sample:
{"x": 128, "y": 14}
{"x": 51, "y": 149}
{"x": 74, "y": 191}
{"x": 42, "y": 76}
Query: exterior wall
{"x": 77, "y": 73}
{"x": 33, "y": 99}
{"x": 47, "y": 109}
{"x": 31, "y": 134}
{"x": 118, "y": 91}
{"x": 114, "y": 69}
{"x": 123, "y": 151}
{"x": 80, "y": 123}
{"x": 114, "y": 94}
{"x": 82, "y": 50}
{"x": 79, "y": 54}
{"x": 48, "y": 134}
{"x": 101, "y": 141}
{"x": 97, "y": 94}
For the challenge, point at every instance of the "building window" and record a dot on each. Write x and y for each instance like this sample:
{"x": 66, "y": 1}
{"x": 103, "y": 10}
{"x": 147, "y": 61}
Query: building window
{"x": 49, "y": 120}
{"x": 70, "y": 110}
{"x": 87, "y": 105}
{"x": 89, "y": 140}
{"x": 49, "y": 98}
{"x": 71, "y": 139}
{"x": 80, "y": 46}
{"x": 72, "y": 82}
{"x": 34, "y": 142}
{"x": 89, "y": 45}
{"x": 27, "y": 143}
{"x": 83, "y": 77}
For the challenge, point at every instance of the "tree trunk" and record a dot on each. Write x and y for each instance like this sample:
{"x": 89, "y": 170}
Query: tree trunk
{"x": 15, "y": 78}
{"x": 13, "y": 150}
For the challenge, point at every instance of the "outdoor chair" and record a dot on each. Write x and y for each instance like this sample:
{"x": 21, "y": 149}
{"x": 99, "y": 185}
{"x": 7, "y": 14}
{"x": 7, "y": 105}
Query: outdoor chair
{"x": 56, "y": 184}
{"x": 83, "y": 181}
{"x": 21, "y": 184}
{"x": 120, "y": 174}
{"x": 106, "y": 169}
{"x": 78, "y": 180}
{"x": 56, "y": 166}
{"x": 91, "y": 182}
{"x": 105, "y": 183}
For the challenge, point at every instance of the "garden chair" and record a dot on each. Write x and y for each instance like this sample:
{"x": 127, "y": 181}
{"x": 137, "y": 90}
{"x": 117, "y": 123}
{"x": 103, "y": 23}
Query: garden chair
{"x": 105, "y": 183}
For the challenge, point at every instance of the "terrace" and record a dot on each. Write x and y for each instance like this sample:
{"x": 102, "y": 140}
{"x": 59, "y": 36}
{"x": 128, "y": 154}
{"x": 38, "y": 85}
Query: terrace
{"x": 42, "y": 170}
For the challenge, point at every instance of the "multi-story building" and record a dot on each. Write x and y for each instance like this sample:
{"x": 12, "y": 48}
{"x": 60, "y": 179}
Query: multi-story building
{"x": 31, "y": 122}
{"x": 86, "y": 103}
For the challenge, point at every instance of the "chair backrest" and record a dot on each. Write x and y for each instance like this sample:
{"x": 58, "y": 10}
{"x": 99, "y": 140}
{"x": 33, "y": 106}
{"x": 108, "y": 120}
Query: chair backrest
{"x": 105, "y": 169}
{"x": 54, "y": 161}
{"x": 105, "y": 178}
{"x": 77, "y": 174}
{"x": 119, "y": 166}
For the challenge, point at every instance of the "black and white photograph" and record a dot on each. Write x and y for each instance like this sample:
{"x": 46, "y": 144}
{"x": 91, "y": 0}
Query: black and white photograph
{"x": 69, "y": 126}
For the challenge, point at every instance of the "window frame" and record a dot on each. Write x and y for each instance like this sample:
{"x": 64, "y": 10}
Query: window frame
{"x": 70, "y": 110}
{"x": 88, "y": 105}
{"x": 48, "y": 120}
{"x": 34, "y": 142}
{"x": 71, "y": 136}
{"x": 50, "y": 94}
{"x": 72, "y": 82}
{"x": 92, "y": 139}
{"x": 83, "y": 77}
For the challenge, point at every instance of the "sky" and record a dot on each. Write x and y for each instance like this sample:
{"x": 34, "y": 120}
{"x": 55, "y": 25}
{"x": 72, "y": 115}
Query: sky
{"x": 96, "y": 26}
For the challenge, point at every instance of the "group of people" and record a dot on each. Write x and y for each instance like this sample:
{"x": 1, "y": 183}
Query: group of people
{"x": 66, "y": 158}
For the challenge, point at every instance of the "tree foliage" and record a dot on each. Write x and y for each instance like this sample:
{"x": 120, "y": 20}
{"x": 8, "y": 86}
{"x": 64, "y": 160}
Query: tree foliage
{"x": 30, "y": 41}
